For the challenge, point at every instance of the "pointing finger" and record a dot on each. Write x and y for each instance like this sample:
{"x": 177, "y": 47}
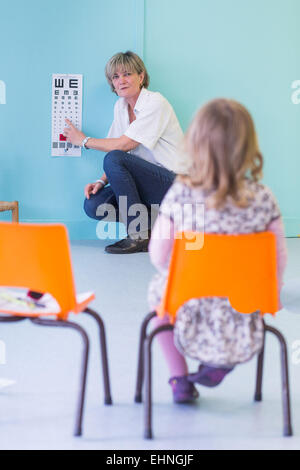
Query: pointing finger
{"x": 69, "y": 123}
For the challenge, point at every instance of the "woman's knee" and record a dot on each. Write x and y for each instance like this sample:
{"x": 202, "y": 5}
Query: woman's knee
{"x": 90, "y": 208}
{"x": 113, "y": 159}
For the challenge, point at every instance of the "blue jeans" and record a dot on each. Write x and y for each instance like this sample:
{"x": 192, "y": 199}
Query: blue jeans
{"x": 140, "y": 181}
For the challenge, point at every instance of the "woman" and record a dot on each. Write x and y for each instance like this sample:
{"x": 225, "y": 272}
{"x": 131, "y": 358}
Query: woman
{"x": 142, "y": 154}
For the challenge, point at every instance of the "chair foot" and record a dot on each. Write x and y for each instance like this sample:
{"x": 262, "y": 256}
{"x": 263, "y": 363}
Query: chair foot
{"x": 288, "y": 431}
{"x": 78, "y": 433}
{"x": 258, "y": 397}
{"x": 107, "y": 401}
{"x": 148, "y": 434}
{"x": 138, "y": 398}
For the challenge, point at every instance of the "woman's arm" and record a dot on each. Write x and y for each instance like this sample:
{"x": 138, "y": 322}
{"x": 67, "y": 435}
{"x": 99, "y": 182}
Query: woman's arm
{"x": 75, "y": 136}
{"x": 123, "y": 143}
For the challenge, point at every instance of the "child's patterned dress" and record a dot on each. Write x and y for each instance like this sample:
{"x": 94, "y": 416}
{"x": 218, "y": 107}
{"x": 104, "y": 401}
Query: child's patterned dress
{"x": 209, "y": 329}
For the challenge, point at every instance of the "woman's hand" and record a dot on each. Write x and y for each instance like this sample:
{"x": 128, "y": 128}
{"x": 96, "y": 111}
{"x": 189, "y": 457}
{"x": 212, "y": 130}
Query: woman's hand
{"x": 92, "y": 188}
{"x": 74, "y": 135}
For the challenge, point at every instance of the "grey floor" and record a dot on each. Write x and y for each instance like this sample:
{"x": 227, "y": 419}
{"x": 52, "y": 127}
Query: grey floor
{"x": 38, "y": 411}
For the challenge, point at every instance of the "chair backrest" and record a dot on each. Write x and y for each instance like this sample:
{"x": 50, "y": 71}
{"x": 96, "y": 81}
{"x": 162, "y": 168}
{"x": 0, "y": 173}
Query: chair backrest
{"x": 239, "y": 267}
{"x": 37, "y": 257}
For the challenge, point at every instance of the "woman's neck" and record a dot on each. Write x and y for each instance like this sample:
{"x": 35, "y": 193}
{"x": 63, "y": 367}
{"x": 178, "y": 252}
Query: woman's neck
{"x": 132, "y": 101}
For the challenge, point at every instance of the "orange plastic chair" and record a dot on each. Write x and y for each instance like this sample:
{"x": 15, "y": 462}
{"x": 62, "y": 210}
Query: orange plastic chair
{"x": 239, "y": 267}
{"x": 37, "y": 257}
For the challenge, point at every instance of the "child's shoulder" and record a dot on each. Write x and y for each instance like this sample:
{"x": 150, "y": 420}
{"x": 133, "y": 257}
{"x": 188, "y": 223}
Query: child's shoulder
{"x": 264, "y": 199}
{"x": 178, "y": 194}
{"x": 181, "y": 189}
{"x": 261, "y": 191}
{"x": 175, "y": 192}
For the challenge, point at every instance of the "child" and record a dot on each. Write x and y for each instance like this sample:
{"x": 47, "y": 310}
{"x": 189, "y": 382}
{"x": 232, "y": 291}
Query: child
{"x": 226, "y": 165}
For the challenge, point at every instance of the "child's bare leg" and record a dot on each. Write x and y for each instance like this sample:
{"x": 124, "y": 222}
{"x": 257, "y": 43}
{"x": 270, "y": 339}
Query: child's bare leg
{"x": 183, "y": 390}
{"x": 176, "y": 362}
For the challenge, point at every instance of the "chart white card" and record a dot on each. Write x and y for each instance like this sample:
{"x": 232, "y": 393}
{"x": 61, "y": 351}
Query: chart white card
{"x": 66, "y": 104}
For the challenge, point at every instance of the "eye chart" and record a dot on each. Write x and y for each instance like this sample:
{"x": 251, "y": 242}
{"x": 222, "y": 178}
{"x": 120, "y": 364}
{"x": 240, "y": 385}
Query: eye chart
{"x": 66, "y": 104}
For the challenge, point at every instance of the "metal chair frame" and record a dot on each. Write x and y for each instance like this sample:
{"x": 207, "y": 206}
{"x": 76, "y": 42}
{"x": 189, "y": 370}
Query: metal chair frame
{"x": 144, "y": 374}
{"x": 85, "y": 356}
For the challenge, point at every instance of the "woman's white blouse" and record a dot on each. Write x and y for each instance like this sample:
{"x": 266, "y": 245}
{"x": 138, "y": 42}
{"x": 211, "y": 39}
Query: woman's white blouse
{"x": 156, "y": 128}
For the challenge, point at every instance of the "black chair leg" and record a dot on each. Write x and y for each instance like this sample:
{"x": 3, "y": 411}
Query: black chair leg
{"x": 287, "y": 427}
{"x": 140, "y": 367}
{"x": 11, "y": 319}
{"x": 148, "y": 379}
{"x": 85, "y": 357}
{"x": 103, "y": 356}
{"x": 259, "y": 371}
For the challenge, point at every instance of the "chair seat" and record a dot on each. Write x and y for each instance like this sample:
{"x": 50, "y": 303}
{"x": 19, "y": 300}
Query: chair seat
{"x": 14, "y": 302}
{"x": 82, "y": 301}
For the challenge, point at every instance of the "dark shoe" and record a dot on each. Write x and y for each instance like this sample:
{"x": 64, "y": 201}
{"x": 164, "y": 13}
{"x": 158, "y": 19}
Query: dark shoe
{"x": 183, "y": 390}
{"x": 128, "y": 245}
{"x": 209, "y": 376}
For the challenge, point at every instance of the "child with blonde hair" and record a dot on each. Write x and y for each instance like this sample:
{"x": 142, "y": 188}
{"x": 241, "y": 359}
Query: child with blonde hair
{"x": 226, "y": 166}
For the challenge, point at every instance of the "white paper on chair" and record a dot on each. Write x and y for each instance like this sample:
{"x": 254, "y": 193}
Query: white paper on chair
{"x": 16, "y": 300}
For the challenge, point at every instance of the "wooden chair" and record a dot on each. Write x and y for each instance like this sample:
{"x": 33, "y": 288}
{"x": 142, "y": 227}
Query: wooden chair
{"x": 239, "y": 267}
{"x": 41, "y": 262}
{"x": 11, "y": 206}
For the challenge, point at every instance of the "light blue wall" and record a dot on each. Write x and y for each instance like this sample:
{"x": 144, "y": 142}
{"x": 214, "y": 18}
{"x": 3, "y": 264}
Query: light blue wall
{"x": 38, "y": 39}
{"x": 248, "y": 50}
{"x": 194, "y": 50}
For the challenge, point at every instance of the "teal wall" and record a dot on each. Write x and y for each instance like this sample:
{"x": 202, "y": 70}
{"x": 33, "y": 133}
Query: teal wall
{"x": 195, "y": 50}
{"x": 38, "y": 38}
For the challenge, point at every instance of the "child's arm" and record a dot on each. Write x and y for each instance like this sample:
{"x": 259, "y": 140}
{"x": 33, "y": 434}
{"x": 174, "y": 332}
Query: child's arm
{"x": 276, "y": 226}
{"x": 161, "y": 243}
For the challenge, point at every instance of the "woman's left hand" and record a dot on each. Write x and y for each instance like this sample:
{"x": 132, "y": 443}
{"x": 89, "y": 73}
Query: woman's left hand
{"x": 74, "y": 135}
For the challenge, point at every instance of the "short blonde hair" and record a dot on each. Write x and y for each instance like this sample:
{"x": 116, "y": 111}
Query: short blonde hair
{"x": 223, "y": 146}
{"x": 128, "y": 61}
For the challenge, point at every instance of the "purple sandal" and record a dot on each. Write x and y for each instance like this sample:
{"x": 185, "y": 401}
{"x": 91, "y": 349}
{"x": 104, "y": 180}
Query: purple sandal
{"x": 209, "y": 376}
{"x": 183, "y": 390}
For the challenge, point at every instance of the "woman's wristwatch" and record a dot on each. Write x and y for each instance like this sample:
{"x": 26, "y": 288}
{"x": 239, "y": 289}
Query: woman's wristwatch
{"x": 101, "y": 181}
{"x": 84, "y": 142}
